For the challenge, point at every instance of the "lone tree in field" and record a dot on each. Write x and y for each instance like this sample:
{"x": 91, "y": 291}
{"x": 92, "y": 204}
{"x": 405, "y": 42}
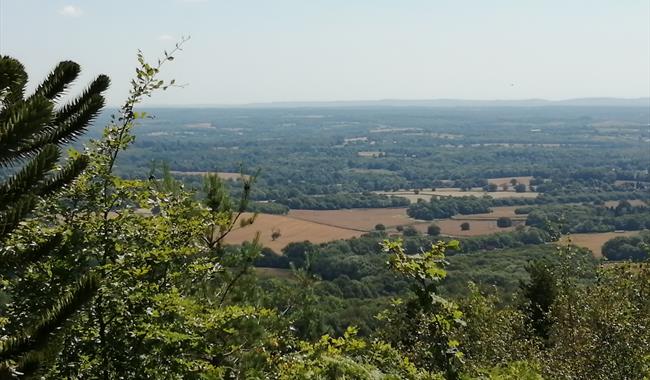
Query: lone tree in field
{"x": 504, "y": 222}
{"x": 433, "y": 230}
{"x": 464, "y": 226}
{"x": 275, "y": 234}
{"x": 31, "y": 133}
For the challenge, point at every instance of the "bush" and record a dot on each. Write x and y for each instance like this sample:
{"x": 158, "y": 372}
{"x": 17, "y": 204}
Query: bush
{"x": 433, "y": 230}
{"x": 504, "y": 222}
{"x": 410, "y": 231}
{"x": 380, "y": 227}
{"x": 626, "y": 248}
{"x": 464, "y": 226}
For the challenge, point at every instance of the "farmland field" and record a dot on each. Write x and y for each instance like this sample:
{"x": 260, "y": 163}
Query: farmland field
{"x": 594, "y": 241}
{"x": 497, "y": 212}
{"x": 477, "y": 227}
{"x": 633, "y": 202}
{"x": 457, "y": 192}
{"x": 506, "y": 180}
{"x": 357, "y": 219}
{"x": 319, "y": 226}
{"x": 291, "y": 230}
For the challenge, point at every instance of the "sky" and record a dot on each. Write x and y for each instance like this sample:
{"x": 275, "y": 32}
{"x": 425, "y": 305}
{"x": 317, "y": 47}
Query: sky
{"x": 247, "y": 51}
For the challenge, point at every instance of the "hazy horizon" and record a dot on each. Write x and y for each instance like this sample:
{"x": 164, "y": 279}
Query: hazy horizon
{"x": 292, "y": 51}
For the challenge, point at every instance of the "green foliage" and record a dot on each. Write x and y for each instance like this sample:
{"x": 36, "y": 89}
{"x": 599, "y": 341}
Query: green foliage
{"x": 31, "y": 132}
{"x": 344, "y": 201}
{"x": 589, "y": 218}
{"x": 504, "y": 222}
{"x": 433, "y": 230}
{"x": 519, "y": 370}
{"x": 348, "y": 357}
{"x": 410, "y": 231}
{"x": 539, "y": 295}
{"x": 446, "y": 207}
{"x": 627, "y": 248}
{"x": 494, "y": 335}
{"x": 596, "y": 328}
{"x": 423, "y": 327}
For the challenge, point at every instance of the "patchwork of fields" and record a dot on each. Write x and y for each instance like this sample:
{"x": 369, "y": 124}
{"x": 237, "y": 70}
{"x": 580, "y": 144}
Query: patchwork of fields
{"x": 319, "y": 226}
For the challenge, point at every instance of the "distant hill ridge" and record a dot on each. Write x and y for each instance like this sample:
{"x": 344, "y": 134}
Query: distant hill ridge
{"x": 440, "y": 103}
{"x": 589, "y": 102}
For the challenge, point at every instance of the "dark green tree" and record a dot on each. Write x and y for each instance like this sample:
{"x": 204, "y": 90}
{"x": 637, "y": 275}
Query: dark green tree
{"x": 504, "y": 222}
{"x": 433, "y": 230}
{"x": 32, "y": 130}
{"x": 520, "y": 188}
{"x": 539, "y": 294}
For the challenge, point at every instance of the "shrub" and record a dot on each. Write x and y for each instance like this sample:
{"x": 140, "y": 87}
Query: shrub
{"x": 433, "y": 230}
{"x": 503, "y": 222}
{"x": 410, "y": 231}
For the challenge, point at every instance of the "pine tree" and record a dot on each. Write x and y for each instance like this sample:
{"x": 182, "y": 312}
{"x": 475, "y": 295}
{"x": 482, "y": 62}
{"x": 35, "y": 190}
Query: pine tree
{"x": 32, "y": 130}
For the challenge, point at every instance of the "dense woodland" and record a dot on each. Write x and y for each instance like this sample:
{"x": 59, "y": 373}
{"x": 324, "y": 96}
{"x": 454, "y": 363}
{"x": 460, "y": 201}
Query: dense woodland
{"x": 94, "y": 288}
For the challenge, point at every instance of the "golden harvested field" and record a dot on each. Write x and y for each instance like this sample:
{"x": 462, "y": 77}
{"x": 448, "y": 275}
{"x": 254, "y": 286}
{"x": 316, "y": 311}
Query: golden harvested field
{"x": 476, "y": 227}
{"x": 504, "y": 180}
{"x": 356, "y": 219}
{"x": 291, "y": 230}
{"x": 372, "y": 153}
{"x": 456, "y": 192}
{"x": 633, "y": 202}
{"x": 594, "y": 241}
{"x": 319, "y": 226}
{"x": 497, "y": 212}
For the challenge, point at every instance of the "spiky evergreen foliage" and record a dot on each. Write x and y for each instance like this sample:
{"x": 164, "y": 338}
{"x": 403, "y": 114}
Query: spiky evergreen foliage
{"x": 32, "y": 129}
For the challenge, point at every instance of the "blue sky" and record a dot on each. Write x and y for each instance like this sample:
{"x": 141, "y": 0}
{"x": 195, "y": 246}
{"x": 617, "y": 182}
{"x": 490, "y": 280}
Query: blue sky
{"x": 245, "y": 51}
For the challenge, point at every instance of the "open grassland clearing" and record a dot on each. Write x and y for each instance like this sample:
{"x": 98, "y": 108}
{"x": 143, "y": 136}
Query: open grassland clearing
{"x": 594, "y": 241}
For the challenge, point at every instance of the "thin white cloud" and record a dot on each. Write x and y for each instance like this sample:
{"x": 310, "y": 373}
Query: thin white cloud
{"x": 165, "y": 38}
{"x": 71, "y": 11}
